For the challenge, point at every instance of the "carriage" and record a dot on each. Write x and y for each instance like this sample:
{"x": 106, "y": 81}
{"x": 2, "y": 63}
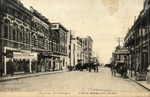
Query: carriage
{"x": 88, "y": 66}
{"x": 120, "y": 68}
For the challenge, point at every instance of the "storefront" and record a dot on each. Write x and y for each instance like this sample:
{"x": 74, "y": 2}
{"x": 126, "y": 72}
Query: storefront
{"x": 20, "y": 62}
{"x": 56, "y": 63}
{"x": 63, "y": 63}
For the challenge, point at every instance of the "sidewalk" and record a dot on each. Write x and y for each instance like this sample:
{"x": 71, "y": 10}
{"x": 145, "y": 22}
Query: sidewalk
{"x": 27, "y": 75}
{"x": 144, "y": 84}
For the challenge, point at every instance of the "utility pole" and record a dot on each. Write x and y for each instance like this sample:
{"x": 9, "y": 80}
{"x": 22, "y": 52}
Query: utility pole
{"x": 119, "y": 40}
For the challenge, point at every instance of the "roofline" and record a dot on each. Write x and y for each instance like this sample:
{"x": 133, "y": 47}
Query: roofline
{"x": 61, "y": 26}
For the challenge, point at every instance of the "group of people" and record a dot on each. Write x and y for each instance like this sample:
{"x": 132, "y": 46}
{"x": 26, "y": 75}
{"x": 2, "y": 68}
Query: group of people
{"x": 87, "y": 66}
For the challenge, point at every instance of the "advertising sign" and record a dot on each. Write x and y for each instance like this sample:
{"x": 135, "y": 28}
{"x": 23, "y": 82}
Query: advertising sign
{"x": 22, "y": 55}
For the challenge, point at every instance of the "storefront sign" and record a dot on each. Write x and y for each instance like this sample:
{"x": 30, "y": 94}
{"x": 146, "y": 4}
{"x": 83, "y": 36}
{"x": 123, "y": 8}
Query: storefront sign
{"x": 145, "y": 51}
{"x": 29, "y": 56}
{"x": 122, "y": 52}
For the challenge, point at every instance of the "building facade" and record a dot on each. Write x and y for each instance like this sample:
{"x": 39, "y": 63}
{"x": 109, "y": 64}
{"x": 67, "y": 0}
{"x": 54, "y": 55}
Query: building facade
{"x": 30, "y": 43}
{"x": 41, "y": 40}
{"x": 29, "y": 40}
{"x": 87, "y": 45}
{"x": 76, "y": 51}
{"x": 15, "y": 33}
{"x": 137, "y": 41}
{"x": 80, "y": 50}
{"x": 60, "y": 46}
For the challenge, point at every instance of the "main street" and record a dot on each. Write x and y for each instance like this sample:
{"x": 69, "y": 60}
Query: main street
{"x": 74, "y": 81}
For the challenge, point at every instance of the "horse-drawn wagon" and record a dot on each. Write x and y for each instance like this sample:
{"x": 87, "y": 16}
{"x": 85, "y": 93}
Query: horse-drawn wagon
{"x": 88, "y": 67}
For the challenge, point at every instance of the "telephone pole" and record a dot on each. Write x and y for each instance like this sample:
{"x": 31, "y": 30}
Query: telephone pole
{"x": 119, "y": 40}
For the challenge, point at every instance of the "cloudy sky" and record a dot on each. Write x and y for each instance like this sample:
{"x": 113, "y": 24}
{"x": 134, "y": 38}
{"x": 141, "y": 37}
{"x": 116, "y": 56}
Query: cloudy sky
{"x": 103, "y": 20}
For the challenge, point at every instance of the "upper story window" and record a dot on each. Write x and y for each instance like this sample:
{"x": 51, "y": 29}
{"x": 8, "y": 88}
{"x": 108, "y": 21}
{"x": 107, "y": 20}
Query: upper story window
{"x": 27, "y": 36}
{"x": 15, "y": 31}
{"x": 46, "y": 44}
{"x": 21, "y": 33}
{"x": 6, "y": 28}
{"x": 33, "y": 24}
{"x": 50, "y": 45}
{"x": 40, "y": 42}
{"x": 34, "y": 40}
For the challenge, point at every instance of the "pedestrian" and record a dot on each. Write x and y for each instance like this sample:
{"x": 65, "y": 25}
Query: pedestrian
{"x": 122, "y": 70}
{"x": 125, "y": 72}
{"x": 114, "y": 71}
{"x": 111, "y": 70}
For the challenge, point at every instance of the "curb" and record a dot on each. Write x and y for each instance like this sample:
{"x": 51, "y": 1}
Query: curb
{"x": 29, "y": 76}
{"x": 139, "y": 84}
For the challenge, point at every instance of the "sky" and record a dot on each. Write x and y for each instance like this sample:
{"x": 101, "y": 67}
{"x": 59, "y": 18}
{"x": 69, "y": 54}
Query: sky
{"x": 103, "y": 20}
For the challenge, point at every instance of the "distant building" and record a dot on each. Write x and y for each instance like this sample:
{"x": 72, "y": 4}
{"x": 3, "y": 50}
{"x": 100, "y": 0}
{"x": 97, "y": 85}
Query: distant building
{"x": 80, "y": 50}
{"x": 119, "y": 54}
{"x": 40, "y": 41}
{"x": 76, "y": 50}
{"x": 60, "y": 45}
{"x": 87, "y": 45}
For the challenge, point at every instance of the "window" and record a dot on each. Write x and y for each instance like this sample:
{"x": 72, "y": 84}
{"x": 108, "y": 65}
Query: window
{"x": 21, "y": 33}
{"x": 54, "y": 47}
{"x": 27, "y": 36}
{"x": 50, "y": 46}
{"x": 46, "y": 44}
{"x": 15, "y": 31}
{"x": 34, "y": 40}
{"x": 18, "y": 35}
{"x": 40, "y": 42}
{"x": 6, "y": 28}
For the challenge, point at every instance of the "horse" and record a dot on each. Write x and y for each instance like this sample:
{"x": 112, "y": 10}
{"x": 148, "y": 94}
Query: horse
{"x": 93, "y": 66}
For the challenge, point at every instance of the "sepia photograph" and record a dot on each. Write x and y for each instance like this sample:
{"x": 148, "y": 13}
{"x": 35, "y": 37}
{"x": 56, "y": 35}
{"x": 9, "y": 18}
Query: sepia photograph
{"x": 74, "y": 48}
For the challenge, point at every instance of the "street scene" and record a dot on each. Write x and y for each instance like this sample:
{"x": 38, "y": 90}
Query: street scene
{"x": 76, "y": 81}
{"x": 75, "y": 47}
